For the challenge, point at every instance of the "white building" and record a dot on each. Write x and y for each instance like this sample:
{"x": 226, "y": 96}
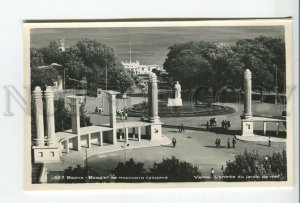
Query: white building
{"x": 140, "y": 69}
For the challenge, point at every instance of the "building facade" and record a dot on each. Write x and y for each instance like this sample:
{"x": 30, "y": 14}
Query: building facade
{"x": 140, "y": 69}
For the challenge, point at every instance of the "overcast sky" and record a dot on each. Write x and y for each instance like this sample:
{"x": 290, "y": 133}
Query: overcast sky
{"x": 150, "y": 45}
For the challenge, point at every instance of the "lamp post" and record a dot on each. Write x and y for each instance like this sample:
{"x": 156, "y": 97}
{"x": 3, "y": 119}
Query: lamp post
{"x": 276, "y": 88}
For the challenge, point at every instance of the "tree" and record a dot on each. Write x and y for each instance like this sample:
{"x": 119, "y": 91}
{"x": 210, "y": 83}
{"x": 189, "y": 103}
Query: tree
{"x": 250, "y": 166}
{"x": 218, "y": 64}
{"x": 130, "y": 169}
{"x": 43, "y": 77}
{"x": 175, "y": 170}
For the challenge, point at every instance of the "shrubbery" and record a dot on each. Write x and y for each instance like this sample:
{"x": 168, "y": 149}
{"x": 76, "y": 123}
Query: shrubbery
{"x": 251, "y": 166}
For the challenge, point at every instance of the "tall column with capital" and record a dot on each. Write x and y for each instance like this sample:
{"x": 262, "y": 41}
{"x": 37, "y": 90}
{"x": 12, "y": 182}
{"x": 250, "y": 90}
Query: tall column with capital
{"x": 49, "y": 95}
{"x": 39, "y": 118}
{"x": 247, "y": 94}
{"x": 153, "y": 98}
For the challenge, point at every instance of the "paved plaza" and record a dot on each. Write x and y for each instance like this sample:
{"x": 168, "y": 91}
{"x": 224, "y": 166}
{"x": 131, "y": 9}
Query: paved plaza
{"x": 195, "y": 145}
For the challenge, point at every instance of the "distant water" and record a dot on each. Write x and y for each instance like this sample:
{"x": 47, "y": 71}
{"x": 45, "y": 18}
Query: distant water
{"x": 150, "y": 45}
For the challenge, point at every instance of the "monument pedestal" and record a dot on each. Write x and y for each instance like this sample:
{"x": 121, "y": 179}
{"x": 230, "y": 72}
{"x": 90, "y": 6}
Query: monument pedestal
{"x": 174, "y": 102}
{"x": 155, "y": 131}
{"x": 247, "y": 128}
{"x": 46, "y": 154}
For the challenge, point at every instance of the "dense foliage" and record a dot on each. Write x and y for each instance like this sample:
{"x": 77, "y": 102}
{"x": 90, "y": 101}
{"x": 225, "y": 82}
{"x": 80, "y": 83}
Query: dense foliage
{"x": 251, "y": 166}
{"x": 87, "y": 58}
{"x": 218, "y": 64}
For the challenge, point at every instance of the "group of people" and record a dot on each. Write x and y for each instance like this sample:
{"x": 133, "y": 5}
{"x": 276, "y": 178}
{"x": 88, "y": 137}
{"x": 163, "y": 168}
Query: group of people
{"x": 123, "y": 115}
{"x": 99, "y": 109}
{"x": 212, "y": 122}
{"x": 218, "y": 143}
{"x": 180, "y": 128}
{"x": 226, "y": 124}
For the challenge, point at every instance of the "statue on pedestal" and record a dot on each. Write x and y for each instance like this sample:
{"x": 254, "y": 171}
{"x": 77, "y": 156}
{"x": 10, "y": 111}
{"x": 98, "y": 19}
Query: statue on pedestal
{"x": 177, "y": 101}
{"x": 177, "y": 90}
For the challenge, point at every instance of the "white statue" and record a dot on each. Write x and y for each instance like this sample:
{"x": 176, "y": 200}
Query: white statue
{"x": 177, "y": 90}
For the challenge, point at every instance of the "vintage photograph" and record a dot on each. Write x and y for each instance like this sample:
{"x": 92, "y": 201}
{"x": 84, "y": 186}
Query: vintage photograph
{"x": 207, "y": 103}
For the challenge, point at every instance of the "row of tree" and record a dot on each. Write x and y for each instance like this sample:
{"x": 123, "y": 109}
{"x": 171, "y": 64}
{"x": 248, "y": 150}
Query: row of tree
{"x": 247, "y": 166}
{"x": 87, "y": 58}
{"x": 218, "y": 64}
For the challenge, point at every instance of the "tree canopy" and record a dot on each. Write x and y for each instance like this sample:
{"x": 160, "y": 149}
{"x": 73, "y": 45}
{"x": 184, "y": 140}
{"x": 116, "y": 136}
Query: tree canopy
{"x": 87, "y": 58}
{"x": 219, "y": 64}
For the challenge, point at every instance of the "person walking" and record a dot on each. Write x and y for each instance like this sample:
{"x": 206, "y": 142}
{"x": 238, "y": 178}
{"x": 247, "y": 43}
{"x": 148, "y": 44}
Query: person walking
{"x": 228, "y": 143}
{"x": 174, "y": 142}
{"x": 182, "y": 127}
{"x": 179, "y": 128}
{"x": 217, "y": 142}
{"x": 207, "y": 125}
{"x": 269, "y": 141}
{"x": 233, "y": 142}
{"x": 212, "y": 173}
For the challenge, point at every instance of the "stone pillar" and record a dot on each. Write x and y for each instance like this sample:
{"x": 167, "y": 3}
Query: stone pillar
{"x": 265, "y": 127}
{"x": 126, "y": 135}
{"x": 101, "y": 138}
{"x": 112, "y": 115}
{"x": 277, "y": 129}
{"x": 247, "y": 94}
{"x": 67, "y": 146}
{"x": 39, "y": 118}
{"x": 89, "y": 143}
{"x": 75, "y": 117}
{"x": 49, "y": 95}
{"x": 139, "y": 133}
{"x": 153, "y": 99}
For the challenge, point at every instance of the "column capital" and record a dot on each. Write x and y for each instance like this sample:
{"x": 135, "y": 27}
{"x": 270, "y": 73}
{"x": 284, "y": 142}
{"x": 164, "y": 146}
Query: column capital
{"x": 49, "y": 93}
{"x": 37, "y": 92}
{"x": 247, "y": 74}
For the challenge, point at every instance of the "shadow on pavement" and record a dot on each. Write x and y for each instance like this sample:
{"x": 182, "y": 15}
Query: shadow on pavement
{"x": 216, "y": 147}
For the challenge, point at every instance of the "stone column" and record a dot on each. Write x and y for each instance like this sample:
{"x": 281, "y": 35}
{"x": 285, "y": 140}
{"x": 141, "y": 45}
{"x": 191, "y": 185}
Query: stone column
{"x": 153, "y": 98}
{"x": 277, "y": 129}
{"x": 101, "y": 138}
{"x": 75, "y": 117}
{"x": 49, "y": 95}
{"x": 126, "y": 135}
{"x": 265, "y": 127}
{"x": 39, "y": 118}
{"x": 112, "y": 115}
{"x": 247, "y": 94}
{"x": 89, "y": 141}
{"x": 139, "y": 133}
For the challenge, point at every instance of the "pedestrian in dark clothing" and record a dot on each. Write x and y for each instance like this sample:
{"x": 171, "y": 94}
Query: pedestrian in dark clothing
{"x": 182, "y": 127}
{"x": 233, "y": 142}
{"x": 212, "y": 173}
{"x": 207, "y": 125}
{"x": 179, "y": 128}
{"x": 217, "y": 142}
{"x": 270, "y": 141}
{"x": 228, "y": 143}
{"x": 174, "y": 142}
